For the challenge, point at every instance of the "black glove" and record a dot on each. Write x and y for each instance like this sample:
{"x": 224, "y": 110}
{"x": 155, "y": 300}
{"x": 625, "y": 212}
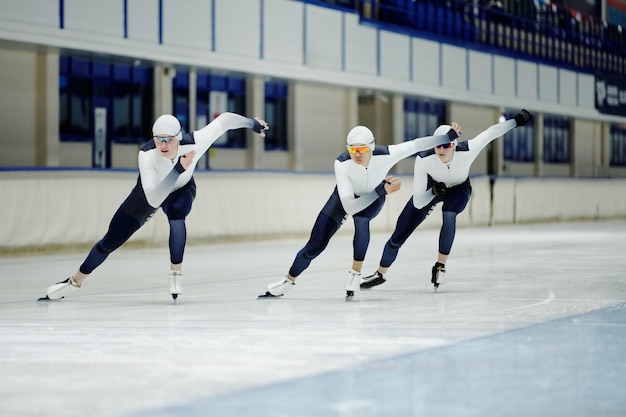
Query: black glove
{"x": 439, "y": 189}
{"x": 522, "y": 118}
{"x": 257, "y": 127}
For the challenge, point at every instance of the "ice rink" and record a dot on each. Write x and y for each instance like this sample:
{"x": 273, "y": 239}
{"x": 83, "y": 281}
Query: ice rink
{"x": 530, "y": 322}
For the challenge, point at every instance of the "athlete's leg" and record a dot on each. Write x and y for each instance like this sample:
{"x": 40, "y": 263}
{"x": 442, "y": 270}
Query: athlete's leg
{"x": 328, "y": 221}
{"x": 121, "y": 228}
{"x": 128, "y": 218}
{"x": 323, "y": 229}
{"x": 454, "y": 203}
{"x": 177, "y": 206}
{"x": 362, "y": 233}
{"x": 407, "y": 222}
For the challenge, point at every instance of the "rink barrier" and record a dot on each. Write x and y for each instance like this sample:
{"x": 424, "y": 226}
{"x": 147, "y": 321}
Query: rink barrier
{"x": 62, "y": 208}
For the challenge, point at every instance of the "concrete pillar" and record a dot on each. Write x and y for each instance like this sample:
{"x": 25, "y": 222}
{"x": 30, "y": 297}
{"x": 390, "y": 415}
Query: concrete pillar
{"x": 255, "y": 103}
{"x": 163, "y": 95}
{"x": 47, "y": 109}
{"x": 193, "y": 93}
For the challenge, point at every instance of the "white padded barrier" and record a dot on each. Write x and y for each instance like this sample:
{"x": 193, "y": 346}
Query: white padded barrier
{"x": 479, "y": 207}
{"x": 74, "y": 207}
{"x": 503, "y": 201}
{"x": 527, "y": 200}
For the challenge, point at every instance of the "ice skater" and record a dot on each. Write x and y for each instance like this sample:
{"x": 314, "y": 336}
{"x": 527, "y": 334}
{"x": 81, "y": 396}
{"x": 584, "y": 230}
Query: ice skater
{"x": 441, "y": 174}
{"x": 362, "y": 183}
{"x": 165, "y": 180}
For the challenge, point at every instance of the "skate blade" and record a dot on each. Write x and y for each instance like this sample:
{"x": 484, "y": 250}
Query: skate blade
{"x": 268, "y": 295}
{"x": 46, "y": 298}
{"x": 349, "y": 295}
{"x": 372, "y": 284}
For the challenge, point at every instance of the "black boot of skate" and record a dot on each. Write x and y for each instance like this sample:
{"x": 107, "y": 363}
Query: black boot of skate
{"x": 372, "y": 280}
{"x": 438, "y": 274}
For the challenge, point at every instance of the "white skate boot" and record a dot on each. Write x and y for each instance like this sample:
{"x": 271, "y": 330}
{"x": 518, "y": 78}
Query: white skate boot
{"x": 61, "y": 289}
{"x": 278, "y": 288}
{"x": 353, "y": 283}
{"x": 175, "y": 279}
{"x": 438, "y": 274}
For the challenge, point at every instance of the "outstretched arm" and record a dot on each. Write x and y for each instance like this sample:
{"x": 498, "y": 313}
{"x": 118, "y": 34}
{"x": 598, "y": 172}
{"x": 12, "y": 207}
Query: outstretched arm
{"x": 157, "y": 190}
{"x": 498, "y": 130}
{"x": 428, "y": 142}
{"x": 206, "y": 136}
{"x": 411, "y": 147}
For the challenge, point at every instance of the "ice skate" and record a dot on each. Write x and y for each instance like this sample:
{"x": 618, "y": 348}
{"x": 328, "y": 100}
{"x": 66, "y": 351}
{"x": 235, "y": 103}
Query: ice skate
{"x": 60, "y": 290}
{"x": 372, "y": 280}
{"x": 353, "y": 281}
{"x": 278, "y": 289}
{"x": 175, "y": 279}
{"x": 438, "y": 274}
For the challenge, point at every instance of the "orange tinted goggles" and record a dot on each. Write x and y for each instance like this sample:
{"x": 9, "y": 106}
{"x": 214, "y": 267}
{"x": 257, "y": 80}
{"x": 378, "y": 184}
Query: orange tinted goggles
{"x": 360, "y": 149}
{"x": 446, "y": 145}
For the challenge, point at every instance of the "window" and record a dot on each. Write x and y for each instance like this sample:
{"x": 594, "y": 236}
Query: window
{"x": 124, "y": 89}
{"x": 556, "y": 143}
{"x": 132, "y": 103}
{"x": 422, "y": 117}
{"x": 75, "y": 100}
{"x": 519, "y": 143}
{"x": 217, "y": 94}
{"x": 180, "y": 95}
{"x": 276, "y": 116}
{"x": 618, "y": 145}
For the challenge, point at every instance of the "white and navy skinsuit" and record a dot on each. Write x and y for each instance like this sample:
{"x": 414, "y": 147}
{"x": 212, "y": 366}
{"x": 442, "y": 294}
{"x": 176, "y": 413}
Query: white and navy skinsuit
{"x": 428, "y": 170}
{"x": 360, "y": 192}
{"x": 163, "y": 183}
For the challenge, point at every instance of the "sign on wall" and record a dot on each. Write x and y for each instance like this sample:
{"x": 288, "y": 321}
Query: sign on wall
{"x": 616, "y": 12}
{"x": 100, "y": 138}
{"x": 610, "y": 95}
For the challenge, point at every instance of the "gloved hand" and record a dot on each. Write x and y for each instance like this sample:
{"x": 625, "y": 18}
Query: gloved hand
{"x": 259, "y": 126}
{"x": 439, "y": 189}
{"x": 522, "y": 118}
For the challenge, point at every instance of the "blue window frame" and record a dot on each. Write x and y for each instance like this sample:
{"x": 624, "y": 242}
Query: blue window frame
{"x": 422, "y": 116}
{"x": 618, "y": 145}
{"x": 519, "y": 145}
{"x": 556, "y": 139}
{"x": 276, "y": 116}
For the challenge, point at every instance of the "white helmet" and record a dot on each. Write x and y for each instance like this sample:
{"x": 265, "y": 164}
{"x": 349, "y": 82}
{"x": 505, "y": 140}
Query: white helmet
{"x": 361, "y": 134}
{"x": 443, "y": 130}
{"x": 167, "y": 125}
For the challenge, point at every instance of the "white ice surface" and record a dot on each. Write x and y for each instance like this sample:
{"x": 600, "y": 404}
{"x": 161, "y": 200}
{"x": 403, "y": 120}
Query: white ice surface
{"x": 121, "y": 346}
